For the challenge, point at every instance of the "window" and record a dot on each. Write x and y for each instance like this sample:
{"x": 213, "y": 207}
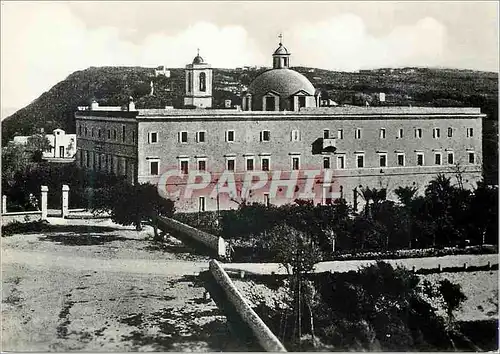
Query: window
{"x": 420, "y": 159}
{"x": 470, "y": 132}
{"x": 270, "y": 103}
{"x": 230, "y": 135}
{"x": 266, "y": 199}
{"x": 98, "y": 133}
{"x": 87, "y": 155}
{"x": 450, "y": 132}
{"x": 200, "y": 137}
{"x": 249, "y": 163}
{"x": 418, "y": 133}
{"x": 114, "y": 134}
{"x": 383, "y": 160}
{"x": 184, "y": 166}
{"x": 201, "y": 204}
{"x": 401, "y": 159}
{"x": 203, "y": 81}
{"x": 326, "y": 133}
{"x": 93, "y": 132}
{"x": 302, "y": 101}
{"x": 123, "y": 133}
{"x": 230, "y": 164}
{"x": 295, "y": 135}
{"x": 265, "y": 163}
{"x": 436, "y": 133}
{"x": 153, "y": 168}
{"x": 183, "y": 137}
{"x": 340, "y": 134}
{"x": 109, "y": 134}
{"x": 340, "y": 162}
{"x": 80, "y": 130}
{"x": 326, "y": 162}
{"x": 400, "y": 133}
{"x": 190, "y": 82}
{"x": 360, "y": 161}
{"x": 450, "y": 158}
{"x": 382, "y": 133}
{"x": 265, "y": 135}
{"x": 202, "y": 165}
{"x": 295, "y": 163}
{"x": 472, "y": 157}
{"x": 86, "y": 131}
{"x": 133, "y": 136}
{"x": 153, "y": 137}
{"x": 357, "y": 134}
{"x": 437, "y": 158}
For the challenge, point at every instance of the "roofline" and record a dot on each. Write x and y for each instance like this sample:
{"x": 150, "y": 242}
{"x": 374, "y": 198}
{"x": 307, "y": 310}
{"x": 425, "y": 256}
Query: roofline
{"x": 296, "y": 117}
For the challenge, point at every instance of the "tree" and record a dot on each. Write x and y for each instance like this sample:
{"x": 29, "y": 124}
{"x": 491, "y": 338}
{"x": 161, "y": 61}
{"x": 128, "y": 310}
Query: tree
{"x": 453, "y": 297}
{"x": 406, "y": 194}
{"x": 298, "y": 254}
{"x": 37, "y": 144}
{"x": 131, "y": 204}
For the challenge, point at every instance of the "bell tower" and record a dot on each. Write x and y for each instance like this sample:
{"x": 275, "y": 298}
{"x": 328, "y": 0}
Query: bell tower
{"x": 281, "y": 57}
{"x": 198, "y": 84}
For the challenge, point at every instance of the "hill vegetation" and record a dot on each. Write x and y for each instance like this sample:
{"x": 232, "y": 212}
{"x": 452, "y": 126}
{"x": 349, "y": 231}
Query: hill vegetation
{"x": 406, "y": 86}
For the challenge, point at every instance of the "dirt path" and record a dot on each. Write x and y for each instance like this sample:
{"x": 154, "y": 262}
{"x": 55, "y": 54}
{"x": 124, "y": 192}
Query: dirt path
{"x": 101, "y": 288}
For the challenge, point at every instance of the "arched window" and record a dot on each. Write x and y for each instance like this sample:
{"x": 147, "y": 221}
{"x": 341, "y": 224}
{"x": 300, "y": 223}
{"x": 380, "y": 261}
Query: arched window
{"x": 190, "y": 83}
{"x": 203, "y": 85}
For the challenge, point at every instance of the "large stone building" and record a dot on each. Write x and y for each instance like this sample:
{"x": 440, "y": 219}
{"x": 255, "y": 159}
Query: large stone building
{"x": 202, "y": 158}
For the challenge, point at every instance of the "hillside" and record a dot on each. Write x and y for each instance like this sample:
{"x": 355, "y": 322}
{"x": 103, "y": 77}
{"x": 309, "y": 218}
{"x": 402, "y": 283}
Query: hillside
{"x": 406, "y": 86}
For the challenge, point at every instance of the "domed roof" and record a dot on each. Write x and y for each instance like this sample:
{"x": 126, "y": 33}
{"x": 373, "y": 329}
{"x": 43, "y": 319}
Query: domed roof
{"x": 198, "y": 60}
{"x": 285, "y": 82}
{"x": 281, "y": 50}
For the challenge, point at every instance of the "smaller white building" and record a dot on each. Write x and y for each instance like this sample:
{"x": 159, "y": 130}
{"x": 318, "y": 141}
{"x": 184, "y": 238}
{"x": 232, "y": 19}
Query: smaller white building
{"x": 62, "y": 145}
{"x": 162, "y": 71}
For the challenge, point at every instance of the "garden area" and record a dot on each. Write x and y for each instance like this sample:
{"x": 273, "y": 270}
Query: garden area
{"x": 446, "y": 220}
{"x": 378, "y": 308}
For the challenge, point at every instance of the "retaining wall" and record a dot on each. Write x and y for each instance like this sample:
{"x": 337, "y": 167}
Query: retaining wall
{"x": 264, "y": 335}
{"x": 22, "y": 216}
{"x": 215, "y": 243}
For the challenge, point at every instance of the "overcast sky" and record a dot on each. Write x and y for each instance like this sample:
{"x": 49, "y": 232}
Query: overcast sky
{"x": 43, "y": 42}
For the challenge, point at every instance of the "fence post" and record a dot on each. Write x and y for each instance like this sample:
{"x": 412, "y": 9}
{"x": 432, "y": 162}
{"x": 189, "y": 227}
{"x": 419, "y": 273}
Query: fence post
{"x": 44, "y": 190}
{"x": 4, "y": 203}
{"x": 221, "y": 247}
{"x": 65, "y": 200}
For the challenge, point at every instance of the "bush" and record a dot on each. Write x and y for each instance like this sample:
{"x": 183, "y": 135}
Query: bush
{"x": 17, "y": 227}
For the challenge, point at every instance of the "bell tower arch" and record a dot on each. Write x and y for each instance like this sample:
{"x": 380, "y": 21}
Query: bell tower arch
{"x": 198, "y": 84}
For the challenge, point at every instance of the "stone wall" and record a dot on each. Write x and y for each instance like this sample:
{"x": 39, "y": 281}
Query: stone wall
{"x": 213, "y": 242}
{"x": 25, "y": 216}
{"x": 264, "y": 335}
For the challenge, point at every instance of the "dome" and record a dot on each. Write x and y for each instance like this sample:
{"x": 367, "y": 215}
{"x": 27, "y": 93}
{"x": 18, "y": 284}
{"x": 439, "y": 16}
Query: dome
{"x": 281, "y": 50}
{"x": 285, "y": 82}
{"x": 198, "y": 60}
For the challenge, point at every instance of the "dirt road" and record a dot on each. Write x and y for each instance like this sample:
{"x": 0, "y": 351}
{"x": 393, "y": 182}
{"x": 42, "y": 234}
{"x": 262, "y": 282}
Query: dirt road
{"x": 97, "y": 287}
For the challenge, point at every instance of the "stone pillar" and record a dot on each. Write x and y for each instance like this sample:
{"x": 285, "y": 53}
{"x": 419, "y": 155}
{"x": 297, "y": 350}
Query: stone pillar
{"x": 4, "y": 204}
{"x": 44, "y": 190}
{"x": 65, "y": 200}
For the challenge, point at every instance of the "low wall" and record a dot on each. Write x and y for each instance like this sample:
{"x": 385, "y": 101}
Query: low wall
{"x": 213, "y": 242}
{"x": 264, "y": 335}
{"x": 22, "y": 216}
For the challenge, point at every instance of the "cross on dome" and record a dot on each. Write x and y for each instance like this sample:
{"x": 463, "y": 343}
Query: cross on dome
{"x": 281, "y": 38}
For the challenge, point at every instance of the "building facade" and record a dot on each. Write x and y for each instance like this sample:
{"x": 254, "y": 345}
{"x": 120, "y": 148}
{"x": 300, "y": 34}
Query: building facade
{"x": 63, "y": 146}
{"x": 207, "y": 159}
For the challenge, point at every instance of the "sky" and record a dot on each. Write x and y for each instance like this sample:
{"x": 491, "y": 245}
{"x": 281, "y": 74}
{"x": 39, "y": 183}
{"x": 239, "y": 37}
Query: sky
{"x": 43, "y": 42}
